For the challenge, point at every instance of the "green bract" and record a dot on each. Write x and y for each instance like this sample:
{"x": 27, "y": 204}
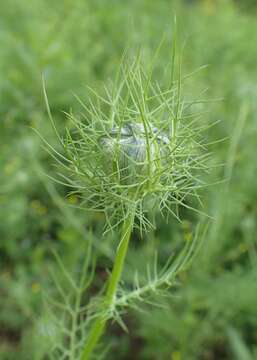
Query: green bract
{"x": 137, "y": 144}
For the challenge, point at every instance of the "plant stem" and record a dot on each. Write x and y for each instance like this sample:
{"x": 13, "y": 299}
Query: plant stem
{"x": 100, "y": 323}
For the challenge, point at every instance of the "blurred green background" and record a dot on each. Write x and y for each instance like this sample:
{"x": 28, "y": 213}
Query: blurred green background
{"x": 79, "y": 43}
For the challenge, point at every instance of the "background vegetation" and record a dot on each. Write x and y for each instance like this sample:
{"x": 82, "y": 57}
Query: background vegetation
{"x": 213, "y": 313}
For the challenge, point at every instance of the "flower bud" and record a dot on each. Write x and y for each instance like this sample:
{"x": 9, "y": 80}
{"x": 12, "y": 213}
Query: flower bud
{"x": 134, "y": 149}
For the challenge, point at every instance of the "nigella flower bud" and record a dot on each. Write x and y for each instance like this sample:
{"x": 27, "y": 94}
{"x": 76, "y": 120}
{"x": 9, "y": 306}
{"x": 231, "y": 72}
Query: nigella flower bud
{"x": 134, "y": 149}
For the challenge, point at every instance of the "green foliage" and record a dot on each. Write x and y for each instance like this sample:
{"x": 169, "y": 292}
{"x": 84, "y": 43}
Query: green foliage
{"x": 212, "y": 313}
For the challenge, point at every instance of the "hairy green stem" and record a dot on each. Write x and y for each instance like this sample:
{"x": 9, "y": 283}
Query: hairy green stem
{"x": 100, "y": 323}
